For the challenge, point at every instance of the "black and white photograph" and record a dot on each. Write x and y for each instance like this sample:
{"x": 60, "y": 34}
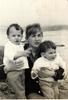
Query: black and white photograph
{"x": 33, "y": 49}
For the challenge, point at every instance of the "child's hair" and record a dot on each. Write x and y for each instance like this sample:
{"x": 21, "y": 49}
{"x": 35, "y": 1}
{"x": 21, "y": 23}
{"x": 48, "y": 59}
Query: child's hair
{"x": 16, "y": 26}
{"x": 44, "y": 46}
{"x": 33, "y": 29}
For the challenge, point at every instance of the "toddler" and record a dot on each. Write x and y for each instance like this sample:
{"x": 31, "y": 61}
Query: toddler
{"x": 50, "y": 68}
{"x": 14, "y": 66}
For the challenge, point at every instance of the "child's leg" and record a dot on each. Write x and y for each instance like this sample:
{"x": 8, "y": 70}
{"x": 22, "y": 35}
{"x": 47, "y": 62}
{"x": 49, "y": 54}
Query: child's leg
{"x": 63, "y": 90}
{"x": 47, "y": 90}
{"x": 56, "y": 90}
{"x": 15, "y": 80}
{"x": 35, "y": 96}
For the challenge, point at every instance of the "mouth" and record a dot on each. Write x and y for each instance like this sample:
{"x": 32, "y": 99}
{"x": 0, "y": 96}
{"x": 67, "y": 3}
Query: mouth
{"x": 17, "y": 41}
{"x": 37, "y": 43}
{"x": 53, "y": 58}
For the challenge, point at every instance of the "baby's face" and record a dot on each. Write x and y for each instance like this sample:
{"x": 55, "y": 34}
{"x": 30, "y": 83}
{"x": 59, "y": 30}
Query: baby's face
{"x": 50, "y": 54}
{"x": 15, "y": 36}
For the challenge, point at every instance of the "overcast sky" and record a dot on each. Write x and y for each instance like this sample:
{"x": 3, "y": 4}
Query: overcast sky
{"x": 46, "y": 12}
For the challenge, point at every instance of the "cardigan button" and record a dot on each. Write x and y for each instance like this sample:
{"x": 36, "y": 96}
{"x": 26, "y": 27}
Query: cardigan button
{"x": 39, "y": 92}
{"x": 37, "y": 82}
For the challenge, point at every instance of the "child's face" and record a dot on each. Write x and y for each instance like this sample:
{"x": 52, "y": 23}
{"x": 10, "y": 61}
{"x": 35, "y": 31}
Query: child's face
{"x": 50, "y": 54}
{"x": 35, "y": 39}
{"x": 15, "y": 36}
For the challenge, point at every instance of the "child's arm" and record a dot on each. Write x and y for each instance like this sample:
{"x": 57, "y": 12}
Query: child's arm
{"x": 8, "y": 60}
{"x": 62, "y": 64}
{"x": 45, "y": 72}
{"x": 42, "y": 73}
{"x": 23, "y": 53}
{"x": 35, "y": 69}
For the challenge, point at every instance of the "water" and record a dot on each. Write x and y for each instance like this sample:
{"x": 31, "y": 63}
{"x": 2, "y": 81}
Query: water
{"x": 59, "y": 37}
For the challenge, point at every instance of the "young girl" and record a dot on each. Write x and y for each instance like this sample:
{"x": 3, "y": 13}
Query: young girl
{"x": 50, "y": 68}
{"x": 34, "y": 36}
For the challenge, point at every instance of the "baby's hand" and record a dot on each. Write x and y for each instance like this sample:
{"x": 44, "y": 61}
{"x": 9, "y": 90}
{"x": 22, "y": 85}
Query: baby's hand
{"x": 23, "y": 53}
{"x": 45, "y": 72}
{"x": 65, "y": 74}
{"x": 59, "y": 74}
{"x": 34, "y": 74}
{"x": 27, "y": 52}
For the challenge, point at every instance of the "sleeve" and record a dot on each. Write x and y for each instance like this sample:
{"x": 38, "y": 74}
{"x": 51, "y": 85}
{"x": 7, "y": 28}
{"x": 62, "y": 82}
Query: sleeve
{"x": 25, "y": 61}
{"x": 41, "y": 68}
{"x": 37, "y": 65}
{"x": 62, "y": 64}
{"x": 35, "y": 69}
{"x": 8, "y": 54}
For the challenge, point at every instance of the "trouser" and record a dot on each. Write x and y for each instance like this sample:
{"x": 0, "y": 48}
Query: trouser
{"x": 16, "y": 81}
{"x": 50, "y": 90}
{"x": 63, "y": 90}
{"x": 35, "y": 96}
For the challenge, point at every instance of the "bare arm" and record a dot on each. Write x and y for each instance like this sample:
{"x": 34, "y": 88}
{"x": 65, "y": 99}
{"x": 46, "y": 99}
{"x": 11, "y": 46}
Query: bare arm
{"x": 23, "y": 53}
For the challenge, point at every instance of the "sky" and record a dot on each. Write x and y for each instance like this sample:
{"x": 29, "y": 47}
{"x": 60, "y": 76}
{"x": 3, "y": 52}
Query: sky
{"x": 24, "y": 12}
{"x": 45, "y": 12}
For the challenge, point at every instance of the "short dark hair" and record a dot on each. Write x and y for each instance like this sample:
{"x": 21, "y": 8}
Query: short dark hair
{"x": 33, "y": 29}
{"x": 16, "y": 26}
{"x": 44, "y": 46}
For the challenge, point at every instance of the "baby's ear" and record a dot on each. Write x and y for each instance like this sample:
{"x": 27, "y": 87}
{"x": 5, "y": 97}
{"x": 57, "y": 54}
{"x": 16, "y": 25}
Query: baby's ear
{"x": 42, "y": 54}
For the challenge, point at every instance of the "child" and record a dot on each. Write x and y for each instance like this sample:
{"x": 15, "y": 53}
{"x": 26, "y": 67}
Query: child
{"x": 14, "y": 66}
{"x": 50, "y": 68}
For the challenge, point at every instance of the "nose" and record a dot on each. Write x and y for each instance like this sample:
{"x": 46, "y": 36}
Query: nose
{"x": 36, "y": 38}
{"x": 16, "y": 37}
{"x": 54, "y": 55}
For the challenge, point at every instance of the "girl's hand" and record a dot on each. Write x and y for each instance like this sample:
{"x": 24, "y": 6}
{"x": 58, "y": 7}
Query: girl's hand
{"x": 14, "y": 65}
{"x": 19, "y": 64}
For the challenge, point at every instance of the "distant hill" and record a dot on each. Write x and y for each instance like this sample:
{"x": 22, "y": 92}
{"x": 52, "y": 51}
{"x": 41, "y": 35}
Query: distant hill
{"x": 55, "y": 27}
{"x": 44, "y": 28}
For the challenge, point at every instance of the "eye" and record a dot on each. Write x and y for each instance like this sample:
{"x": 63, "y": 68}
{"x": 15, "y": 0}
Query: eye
{"x": 50, "y": 52}
{"x": 14, "y": 35}
{"x": 39, "y": 35}
{"x": 19, "y": 35}
{"x": 33, "y": 35}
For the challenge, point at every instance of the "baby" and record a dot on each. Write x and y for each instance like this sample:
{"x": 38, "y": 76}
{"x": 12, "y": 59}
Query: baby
{"x": 50, "y": 68}
{"x": 14, "y": 65}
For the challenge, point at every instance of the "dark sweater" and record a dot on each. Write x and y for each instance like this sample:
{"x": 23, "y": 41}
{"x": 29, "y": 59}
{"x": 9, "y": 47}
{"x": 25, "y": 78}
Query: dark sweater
{"x": 31, "y": 86}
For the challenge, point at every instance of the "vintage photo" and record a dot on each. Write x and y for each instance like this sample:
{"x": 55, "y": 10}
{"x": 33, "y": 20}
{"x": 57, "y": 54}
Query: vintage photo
{"x": 33, "y": 49}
